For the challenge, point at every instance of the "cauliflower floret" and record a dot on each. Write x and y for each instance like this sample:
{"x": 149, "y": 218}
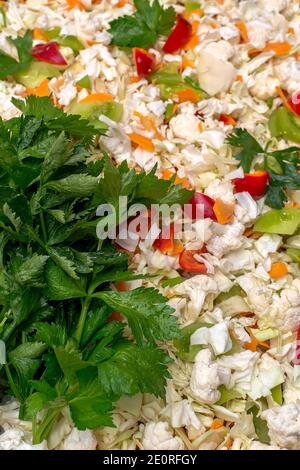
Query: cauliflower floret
{"x": 288, "y": 72}
{"x": 259, "y": 297}
{"x": 207, "y": 376}
{"x": 157, "y": 436}
{"x": 80, "y": 440}
{"x": 275, "y": 310}
{"x": 265, "y": 85}
{"x": 185, "y": 126}
{"x": 284, "y": 425}
{"x": 227, "y": 238}
{"x": 14, "y": 439}
{"x": 196, "y": 289}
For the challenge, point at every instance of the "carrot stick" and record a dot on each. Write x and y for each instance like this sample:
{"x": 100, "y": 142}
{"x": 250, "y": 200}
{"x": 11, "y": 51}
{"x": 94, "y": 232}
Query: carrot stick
{"x": 242, "y": 27}
{"x": 187, "y": 95}
{"x": 97, "y": 97}
{"x": 285, "y": 102}
{"x": 141, "y": 141}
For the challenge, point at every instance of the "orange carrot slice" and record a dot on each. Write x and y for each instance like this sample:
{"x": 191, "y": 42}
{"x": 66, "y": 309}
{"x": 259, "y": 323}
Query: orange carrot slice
{"x": 223, "y": 211}
{"x": 187, "y": 95}
{"x": 97, "y": 97}
{"x": 38, "y": 35}
{"x": 75, "y": 3}
{"x": 41, "y": 90}
{"x": 278, "y": 270}
{"x": 141, "y": 141}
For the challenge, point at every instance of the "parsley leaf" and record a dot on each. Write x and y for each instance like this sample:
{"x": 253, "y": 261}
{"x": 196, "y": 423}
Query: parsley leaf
{"x": 147, "y": 312}
{"x": 143, "y": 28}
{"x": 56, "y": 291}
{"x": 9, "y": 65}
{"x": 241, "y": 139}
{"x": 132, "y": 370}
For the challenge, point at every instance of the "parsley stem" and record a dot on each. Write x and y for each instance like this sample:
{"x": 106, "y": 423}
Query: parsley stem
{"x": 43, "y": 225}
{"x": 11, "y": 383}
{"x": 82, "y": 318}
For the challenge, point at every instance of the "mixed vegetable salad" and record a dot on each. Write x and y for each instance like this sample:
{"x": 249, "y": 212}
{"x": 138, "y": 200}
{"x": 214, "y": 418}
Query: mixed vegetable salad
{"x": 164, "y": 342}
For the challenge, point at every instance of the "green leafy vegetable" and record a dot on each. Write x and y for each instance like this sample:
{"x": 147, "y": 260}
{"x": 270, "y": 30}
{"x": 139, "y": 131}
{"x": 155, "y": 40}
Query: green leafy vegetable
{"x": 143, "y": 28}
{"x": 58, "y": 346}
{"x": 248, "y": 146}
{"x": 260, "y": 425}
{"x": 9, "y": 65}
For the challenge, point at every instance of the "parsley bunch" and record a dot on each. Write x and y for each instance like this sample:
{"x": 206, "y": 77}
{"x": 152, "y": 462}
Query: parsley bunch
{"x": 282, "y": 165}
{"x": 56, "y": 277}
{"x": 143, "y": 28}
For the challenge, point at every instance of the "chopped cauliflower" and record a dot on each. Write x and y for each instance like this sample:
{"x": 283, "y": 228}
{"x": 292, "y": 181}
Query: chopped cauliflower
{"x": 80, "y": 440}
{"x": 226, "y": 238}
{"x": 284, "y": 425}
{"x": 15, "y": 439}
{"x": 185, "y": 126}
{"x": 206, "y": 377}
{"x": 157, "y": 436}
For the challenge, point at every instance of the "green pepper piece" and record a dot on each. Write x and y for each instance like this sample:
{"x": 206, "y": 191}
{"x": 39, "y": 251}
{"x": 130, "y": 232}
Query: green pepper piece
{"x": 169, "y": 111}
{"x": 294, "y": 253}
{"x": 35, "y": 73}
{"x": 283, "y": 123}
{"x": 72, "y": 42}
{"x": 281, "y": 221}
{"x": 52, "y": 33}
{"x": 172, "y": 282}
{"x": 273, "y": 164}
{"x": 92, "y": 111}
{"x": 166, "y": 78}
{"x": 190, "y": 5}
{"x": 85, "y": 82}
{"x": 277, "y": 394}
{"x": 234, "y": 291}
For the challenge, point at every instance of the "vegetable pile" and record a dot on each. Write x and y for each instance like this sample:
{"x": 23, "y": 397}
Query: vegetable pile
{"x": 63, "y": 347}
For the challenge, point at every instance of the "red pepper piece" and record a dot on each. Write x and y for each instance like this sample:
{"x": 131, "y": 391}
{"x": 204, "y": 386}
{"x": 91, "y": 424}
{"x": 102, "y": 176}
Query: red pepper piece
{"x": 168, "y": 246}
{"x": 189, "y": 264}
{"x": 115, "y": 316}
{"x": 253, "y": 183}
{"x": 144, "y": 62}
{"x": 297, "y": 360}
{"x": 179, "y": 36}
{"x": 294, "y": 102}
{"x": 205, "y": 204}
{"x": 48, "y": 53}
